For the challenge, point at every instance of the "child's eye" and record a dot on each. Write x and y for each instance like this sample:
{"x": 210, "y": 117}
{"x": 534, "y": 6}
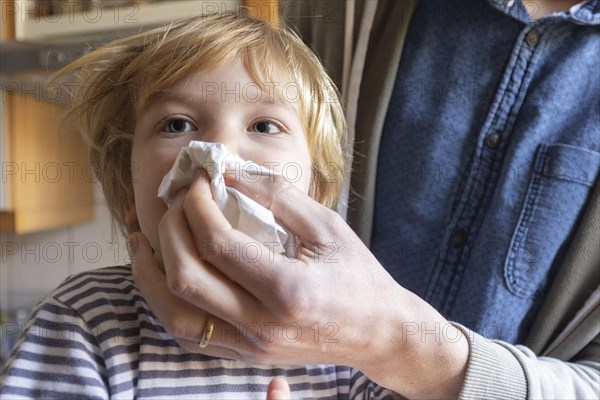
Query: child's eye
{"x": 265, "y": 126}
{"x": 178, "y": 125}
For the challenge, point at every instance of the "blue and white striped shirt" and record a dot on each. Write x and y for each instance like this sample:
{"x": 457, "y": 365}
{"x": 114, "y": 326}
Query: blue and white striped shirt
{"x": 95, "y": 337}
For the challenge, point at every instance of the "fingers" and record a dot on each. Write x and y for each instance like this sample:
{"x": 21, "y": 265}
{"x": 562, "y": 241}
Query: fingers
{"x": 236, "y": 255}
{"x": 312, "y": 222}
{"x": 184, "y": 321}
{"x": 278, "y": 390}
{"x": 225, "y": 342}
{"x": 192, "y": 278}
{"x": 153, "y": 285}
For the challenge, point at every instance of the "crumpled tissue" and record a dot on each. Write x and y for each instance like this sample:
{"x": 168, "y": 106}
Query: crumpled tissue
{"x": 242, "y": 212}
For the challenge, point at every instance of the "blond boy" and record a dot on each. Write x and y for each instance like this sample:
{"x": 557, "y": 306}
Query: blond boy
{"x": 220, "y": 78}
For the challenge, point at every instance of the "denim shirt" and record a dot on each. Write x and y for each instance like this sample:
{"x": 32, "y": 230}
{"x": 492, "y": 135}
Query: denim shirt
{"x": 489, "y": 152}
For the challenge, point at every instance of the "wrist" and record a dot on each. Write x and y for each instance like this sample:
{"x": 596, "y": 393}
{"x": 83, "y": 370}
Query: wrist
{"x": 424, "y": 356}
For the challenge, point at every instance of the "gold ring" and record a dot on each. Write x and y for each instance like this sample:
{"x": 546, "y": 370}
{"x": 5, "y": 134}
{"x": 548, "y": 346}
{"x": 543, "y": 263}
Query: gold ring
{"x": 209, "y": 328}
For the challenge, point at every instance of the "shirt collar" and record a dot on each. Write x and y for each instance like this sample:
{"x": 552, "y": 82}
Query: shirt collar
{"x": 584, "y": 13}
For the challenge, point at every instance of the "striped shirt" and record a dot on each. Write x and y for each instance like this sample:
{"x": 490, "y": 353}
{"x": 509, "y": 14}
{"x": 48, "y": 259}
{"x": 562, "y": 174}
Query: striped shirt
{"x": 95, "y": 337}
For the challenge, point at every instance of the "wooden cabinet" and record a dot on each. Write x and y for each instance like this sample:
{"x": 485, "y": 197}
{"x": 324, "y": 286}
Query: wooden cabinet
{"x": 46, "y": 179}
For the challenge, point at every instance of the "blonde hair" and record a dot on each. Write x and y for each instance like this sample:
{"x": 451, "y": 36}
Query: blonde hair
{"x": 121, "y": 77}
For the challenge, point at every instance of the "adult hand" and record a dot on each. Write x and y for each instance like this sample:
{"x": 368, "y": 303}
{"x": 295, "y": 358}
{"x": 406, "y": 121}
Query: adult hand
{"x": 332, "y": 303}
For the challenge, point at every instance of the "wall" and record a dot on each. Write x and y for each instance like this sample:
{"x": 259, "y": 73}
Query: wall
{"x": 34, "y": 264}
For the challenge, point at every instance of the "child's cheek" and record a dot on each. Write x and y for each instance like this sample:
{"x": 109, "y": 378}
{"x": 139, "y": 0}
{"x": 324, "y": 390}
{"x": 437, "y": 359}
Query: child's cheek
{"x": 150, "y": 211}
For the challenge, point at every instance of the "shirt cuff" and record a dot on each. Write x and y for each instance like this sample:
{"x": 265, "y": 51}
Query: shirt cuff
{"x": 493, "y": 371}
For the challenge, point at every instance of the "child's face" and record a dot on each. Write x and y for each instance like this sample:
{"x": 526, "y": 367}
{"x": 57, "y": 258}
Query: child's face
{"x": 223, "y": 105}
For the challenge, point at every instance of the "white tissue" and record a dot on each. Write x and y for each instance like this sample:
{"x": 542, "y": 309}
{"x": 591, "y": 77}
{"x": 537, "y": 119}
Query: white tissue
{"x": 242, "y": 212}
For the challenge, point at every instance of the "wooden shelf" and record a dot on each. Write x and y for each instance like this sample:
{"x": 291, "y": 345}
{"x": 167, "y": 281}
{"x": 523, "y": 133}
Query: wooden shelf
{"x": 96, "y": 20}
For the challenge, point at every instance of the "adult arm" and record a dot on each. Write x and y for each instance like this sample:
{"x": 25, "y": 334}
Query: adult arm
{"x": 501, "y": 370}
{"x": 333, "y": 303}
{"x": 387, "y": 332}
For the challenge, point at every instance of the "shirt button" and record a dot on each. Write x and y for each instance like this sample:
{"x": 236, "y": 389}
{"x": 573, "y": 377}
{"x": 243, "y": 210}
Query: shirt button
{"x": 458, "y": 238}
{"x": 532, "y": 38}
{"x": 492, "y": 141}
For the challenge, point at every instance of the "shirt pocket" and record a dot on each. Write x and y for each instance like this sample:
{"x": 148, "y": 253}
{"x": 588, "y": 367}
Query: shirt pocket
{"x": 560, "y": 184}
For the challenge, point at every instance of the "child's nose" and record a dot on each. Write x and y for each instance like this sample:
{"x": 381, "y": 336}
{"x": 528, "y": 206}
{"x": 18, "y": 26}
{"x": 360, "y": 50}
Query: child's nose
{"x": 226, "y": 136}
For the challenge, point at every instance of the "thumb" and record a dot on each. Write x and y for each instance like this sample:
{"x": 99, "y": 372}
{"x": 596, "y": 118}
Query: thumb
{"x": 278, "y": 390}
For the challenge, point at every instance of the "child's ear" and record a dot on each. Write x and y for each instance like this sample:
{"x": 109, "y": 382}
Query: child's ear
{"x": 131, "y": 217}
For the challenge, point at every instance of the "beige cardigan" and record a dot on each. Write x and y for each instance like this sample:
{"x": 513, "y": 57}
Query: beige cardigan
{"x": 561, "y": 356}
